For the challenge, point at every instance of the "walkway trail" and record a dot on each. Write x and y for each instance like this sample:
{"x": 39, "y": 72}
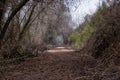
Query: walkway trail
{"x": 60, "y": 50}
{"x": 63, "y": 64}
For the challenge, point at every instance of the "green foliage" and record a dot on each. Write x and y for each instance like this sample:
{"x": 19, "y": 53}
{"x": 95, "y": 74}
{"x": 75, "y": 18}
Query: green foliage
{"x": 104, "y": 6}
{"x": 75, "y": 38}
{"x": 80, "y": 38}
{"x": 98, "y": 17}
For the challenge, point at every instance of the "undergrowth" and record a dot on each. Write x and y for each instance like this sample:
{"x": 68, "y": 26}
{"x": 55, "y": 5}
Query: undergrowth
{"x": 79, "y": 39}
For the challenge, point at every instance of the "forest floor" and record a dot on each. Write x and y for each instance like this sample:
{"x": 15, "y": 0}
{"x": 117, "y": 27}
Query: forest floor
{"x": 52, "y": 66}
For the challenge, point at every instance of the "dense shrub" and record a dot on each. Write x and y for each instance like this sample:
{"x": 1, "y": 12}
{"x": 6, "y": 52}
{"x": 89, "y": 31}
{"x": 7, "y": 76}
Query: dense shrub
{"x": 80, "y": 38}
{"x": 105, "y": 42}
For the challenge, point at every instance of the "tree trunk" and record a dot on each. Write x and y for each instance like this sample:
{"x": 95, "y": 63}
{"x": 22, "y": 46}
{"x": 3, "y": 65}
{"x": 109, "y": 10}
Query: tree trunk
{"x": 2, "y": 4}
{"x": 27, "y": 22}
{"x": 14, "y": 12}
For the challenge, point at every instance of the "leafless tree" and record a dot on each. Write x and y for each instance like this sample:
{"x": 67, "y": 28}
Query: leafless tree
{"x": 6, "y": 25}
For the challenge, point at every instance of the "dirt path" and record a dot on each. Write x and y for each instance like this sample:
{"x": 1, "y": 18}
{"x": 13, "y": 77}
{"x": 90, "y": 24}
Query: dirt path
{"x": 60, "y": 50}
{"x": 50, "y": 66}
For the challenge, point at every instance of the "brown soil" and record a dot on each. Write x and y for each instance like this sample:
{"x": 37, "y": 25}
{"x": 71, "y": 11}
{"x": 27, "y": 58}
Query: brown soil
{"x": 48, "y": 66}
{"x": 53, "y": 66}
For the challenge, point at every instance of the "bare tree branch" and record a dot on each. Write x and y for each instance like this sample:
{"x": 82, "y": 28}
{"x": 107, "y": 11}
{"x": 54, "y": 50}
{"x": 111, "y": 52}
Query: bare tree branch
{"x": 14, "y": 12}
{"x": 39, "y": 13}
{"x": 27, "y": 22}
